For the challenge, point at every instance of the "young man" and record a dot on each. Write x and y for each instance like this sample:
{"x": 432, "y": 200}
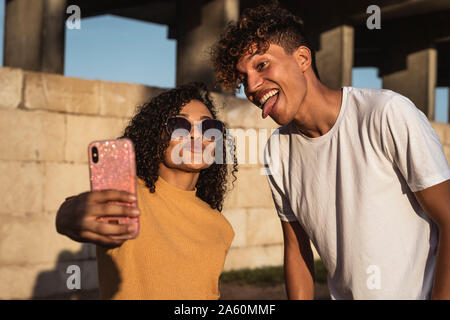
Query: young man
{"x": 361, "y": 172}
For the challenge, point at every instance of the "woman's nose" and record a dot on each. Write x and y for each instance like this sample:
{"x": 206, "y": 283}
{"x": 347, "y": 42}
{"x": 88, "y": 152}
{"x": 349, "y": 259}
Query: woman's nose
{"x": 196, "y": 131}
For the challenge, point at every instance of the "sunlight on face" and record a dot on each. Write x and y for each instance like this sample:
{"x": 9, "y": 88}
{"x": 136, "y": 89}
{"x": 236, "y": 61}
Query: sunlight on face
{"x": 189, "y": 151}
{"x": 274, "y": 81}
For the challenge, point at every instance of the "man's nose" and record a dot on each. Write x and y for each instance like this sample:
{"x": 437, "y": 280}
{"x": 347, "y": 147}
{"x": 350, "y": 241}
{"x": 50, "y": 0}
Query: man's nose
{"x": 254, "y": 81}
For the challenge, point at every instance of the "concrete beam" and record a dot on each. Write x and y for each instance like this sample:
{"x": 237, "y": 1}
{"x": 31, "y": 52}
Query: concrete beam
{"x": 335, "y": 58}
{"x": 34, "y": 35}
{"x": 443, "y": 48}
{"x": 417, "y": 81}
{"x": 391, "y": 10}
{"x": 91, "y": 8}
{"x": 197, "y": 30}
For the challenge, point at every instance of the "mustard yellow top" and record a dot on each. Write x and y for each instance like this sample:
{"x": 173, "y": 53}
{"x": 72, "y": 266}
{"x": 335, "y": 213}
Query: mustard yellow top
{"x": 179, "y": 253}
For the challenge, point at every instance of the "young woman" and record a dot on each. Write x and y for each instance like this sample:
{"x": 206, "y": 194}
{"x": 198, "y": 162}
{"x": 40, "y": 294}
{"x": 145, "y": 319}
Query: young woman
{"x": 183, "y": 240}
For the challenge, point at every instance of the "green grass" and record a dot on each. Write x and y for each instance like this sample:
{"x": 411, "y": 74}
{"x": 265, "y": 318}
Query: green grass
{"x": 320, "y": 273}
{"x": 267, "y": 276}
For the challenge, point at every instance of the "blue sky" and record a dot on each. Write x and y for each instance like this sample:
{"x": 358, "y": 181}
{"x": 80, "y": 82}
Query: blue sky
{"x": 119, "y": 49}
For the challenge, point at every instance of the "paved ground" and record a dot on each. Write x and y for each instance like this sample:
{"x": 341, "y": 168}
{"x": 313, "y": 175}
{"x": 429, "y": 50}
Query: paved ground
{"x": 229, "y": 291}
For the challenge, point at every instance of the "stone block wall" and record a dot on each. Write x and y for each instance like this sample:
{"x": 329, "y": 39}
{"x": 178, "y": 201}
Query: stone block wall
{"x": 46, "y": 124}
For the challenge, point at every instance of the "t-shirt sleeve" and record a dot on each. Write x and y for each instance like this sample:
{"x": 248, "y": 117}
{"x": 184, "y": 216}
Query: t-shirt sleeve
{"x": 412, "y": 144}
{"x": 272, "y": 160}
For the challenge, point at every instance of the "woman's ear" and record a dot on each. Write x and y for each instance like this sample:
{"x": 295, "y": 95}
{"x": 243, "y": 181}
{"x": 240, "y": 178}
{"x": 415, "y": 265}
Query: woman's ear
{"x": 303, "y": 57}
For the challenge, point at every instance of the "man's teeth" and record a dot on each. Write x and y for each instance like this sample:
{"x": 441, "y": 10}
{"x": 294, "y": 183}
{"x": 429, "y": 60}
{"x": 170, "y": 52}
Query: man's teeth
{"x": 267, "y": 96}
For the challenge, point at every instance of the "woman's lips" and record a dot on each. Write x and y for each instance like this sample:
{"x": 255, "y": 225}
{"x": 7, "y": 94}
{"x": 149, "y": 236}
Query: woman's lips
{"x": 196, "y": 150}
{"x": 193, "y": 147}
{"x": 196, "y": 147}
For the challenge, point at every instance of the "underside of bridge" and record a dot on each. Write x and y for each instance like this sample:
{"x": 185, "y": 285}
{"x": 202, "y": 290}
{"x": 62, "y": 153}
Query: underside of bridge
{"x": 411, "y": 49}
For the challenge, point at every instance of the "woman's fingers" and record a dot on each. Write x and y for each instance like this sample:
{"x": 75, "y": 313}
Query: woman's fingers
{"x": 104, "y": 241}
{"x": 113, "y": 209}
{"x": 105, "y": 196}
{"x": 111, "y": 203}
{"x": 108, "y": 229}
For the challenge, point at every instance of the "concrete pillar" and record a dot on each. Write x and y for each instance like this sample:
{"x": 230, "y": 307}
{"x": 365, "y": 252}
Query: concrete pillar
{"x": 34, "y": 35}
{"x": 334, "y": 60}
{"x": 196, "y": 35}
{"x": 417, "y": 81}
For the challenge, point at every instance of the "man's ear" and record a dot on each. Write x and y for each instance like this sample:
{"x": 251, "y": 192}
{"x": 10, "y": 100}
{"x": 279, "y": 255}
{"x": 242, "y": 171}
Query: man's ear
{"x": 303, "y": 57}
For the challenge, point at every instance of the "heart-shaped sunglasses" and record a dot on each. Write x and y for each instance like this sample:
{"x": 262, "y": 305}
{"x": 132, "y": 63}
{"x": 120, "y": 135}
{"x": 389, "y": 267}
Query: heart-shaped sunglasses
{"x": 183, "y": 127}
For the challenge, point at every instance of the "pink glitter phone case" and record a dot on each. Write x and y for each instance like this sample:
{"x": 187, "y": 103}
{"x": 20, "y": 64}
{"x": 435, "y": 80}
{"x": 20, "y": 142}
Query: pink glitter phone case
{"x": 112, "y": 166}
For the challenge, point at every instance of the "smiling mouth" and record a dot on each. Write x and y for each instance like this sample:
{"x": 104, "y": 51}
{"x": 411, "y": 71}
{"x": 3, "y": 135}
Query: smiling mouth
{"x": 195, "y": 147}
{"x": 267, "y": 97}
{"x": 269, "y": 102}
{"x": 196, "y": 150}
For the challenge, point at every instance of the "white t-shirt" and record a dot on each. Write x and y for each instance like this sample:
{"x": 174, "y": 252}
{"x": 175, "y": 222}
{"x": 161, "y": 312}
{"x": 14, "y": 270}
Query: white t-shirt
{"x": 351, "y": 190}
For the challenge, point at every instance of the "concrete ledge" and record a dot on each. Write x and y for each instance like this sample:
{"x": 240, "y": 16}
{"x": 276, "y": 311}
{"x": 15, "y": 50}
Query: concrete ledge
{"x": 80, "y": 96}
{"x": 36, "y": 135}
{"x": 34, "y": 240}
{"x": 42, "y": 280}
{"x": 443, "y": 131}
{"x": 238, "y": 220}
{"x": 447, "y": 152}
{"x": 21, "y": 188}
{"x": 263, "y": 227}
{"x": 251, "y": 190}
{"x": 59, "y": 93}
{"x": 119, "y": 99}
{"x": 254, "y": 257}
{"x": 61, "y": 181}
{"x": 11, "y": 84}
{"x": 81, "y": 130}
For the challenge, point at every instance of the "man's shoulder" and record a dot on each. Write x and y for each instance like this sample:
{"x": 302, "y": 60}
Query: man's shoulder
{"x": 373, "y": 103}
{"x": 369, "y": 98}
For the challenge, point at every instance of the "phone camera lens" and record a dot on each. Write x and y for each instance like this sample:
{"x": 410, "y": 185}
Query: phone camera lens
{"x": 95, "y": 154}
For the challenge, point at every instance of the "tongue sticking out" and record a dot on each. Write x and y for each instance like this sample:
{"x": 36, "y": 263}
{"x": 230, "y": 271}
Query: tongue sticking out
{"x": 268, "y": 106}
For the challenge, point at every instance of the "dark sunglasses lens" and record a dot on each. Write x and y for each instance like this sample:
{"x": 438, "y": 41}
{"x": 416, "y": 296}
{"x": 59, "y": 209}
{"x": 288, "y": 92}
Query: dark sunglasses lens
{"x": 178, "y": 127}
{"x": 216, "y": 133}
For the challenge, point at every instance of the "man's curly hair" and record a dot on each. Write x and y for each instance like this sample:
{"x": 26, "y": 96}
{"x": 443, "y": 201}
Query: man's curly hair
{"x": 146, "y": 132}
{"x": 258, "y": 26}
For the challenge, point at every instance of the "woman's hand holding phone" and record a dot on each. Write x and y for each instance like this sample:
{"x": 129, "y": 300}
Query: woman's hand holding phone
{"x": 80, "y": 217}
{"x": 112, "y": 167}
{"x": 108, "y": 214}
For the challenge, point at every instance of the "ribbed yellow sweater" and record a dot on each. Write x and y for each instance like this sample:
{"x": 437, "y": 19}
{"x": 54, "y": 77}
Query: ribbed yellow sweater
{"x": 179, "y": 253}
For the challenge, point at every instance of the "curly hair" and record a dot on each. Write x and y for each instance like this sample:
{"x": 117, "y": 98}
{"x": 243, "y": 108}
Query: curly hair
{"x": 258, "y": 26}
{"x": 146, "y": 132}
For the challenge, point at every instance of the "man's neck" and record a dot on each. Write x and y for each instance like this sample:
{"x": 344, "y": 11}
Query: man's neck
{"x": 319, "y": 110}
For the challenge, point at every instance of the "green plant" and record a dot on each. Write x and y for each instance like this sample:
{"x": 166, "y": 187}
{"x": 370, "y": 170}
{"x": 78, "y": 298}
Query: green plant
{"x": 268, "y": 276}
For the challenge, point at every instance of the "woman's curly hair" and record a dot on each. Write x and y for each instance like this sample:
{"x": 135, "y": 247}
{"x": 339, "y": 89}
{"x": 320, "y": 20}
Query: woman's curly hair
{"x": 146, "y": 132}
{"x": 258, "y": 26}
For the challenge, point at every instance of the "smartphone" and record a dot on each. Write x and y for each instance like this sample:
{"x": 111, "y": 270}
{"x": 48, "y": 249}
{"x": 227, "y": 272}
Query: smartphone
{"x": 112, "y": 165}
